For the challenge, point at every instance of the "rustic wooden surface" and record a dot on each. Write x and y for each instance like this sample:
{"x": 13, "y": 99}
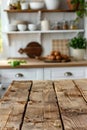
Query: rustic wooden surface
{"x": 45, "y": 105}
{"x": 73, "y": 107}
{"x": 12, "y": 105}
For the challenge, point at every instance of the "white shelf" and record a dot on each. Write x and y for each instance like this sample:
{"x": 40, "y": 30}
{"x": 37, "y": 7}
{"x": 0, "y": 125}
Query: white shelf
{"x": 63, "y": 31}
{"x": 21, "y": 32}
{"x": 49, "y": 31}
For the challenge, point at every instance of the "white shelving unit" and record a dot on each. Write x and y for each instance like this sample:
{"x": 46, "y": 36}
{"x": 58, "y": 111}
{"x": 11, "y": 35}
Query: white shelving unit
{"x": 45, "y": 38}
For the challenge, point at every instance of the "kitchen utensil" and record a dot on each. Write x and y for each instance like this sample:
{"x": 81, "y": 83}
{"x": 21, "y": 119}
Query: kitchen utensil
{"x": 32, "y": 49}
{"x": 37, "y": 4}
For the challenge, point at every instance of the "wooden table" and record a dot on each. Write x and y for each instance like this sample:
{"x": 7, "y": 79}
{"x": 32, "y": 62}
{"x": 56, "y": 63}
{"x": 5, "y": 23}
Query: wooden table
{"x": 45, "y": 105}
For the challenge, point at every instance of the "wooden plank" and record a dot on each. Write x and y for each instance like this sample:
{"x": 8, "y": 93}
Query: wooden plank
{"x": 15, "y": 117}
{"x": 73, "y": 108}
{"x": 82, "y": 87}
{"x": 12, "y": 106}
{"x": 18, "y": 91}
{"x": 4, "y": 115}
{"x": 42, "y": 110}
{"x": 33, "y": 11}
{"x": 58, "y": 106}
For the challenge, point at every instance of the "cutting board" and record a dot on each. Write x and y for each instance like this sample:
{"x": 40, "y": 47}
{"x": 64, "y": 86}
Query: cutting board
{"x": 32, "y": 49}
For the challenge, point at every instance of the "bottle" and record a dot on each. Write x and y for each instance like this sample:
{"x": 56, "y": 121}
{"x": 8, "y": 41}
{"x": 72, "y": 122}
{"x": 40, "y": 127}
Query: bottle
{"x": 65, "y": 25}
{"x": 55, "y": 26}
{"x": 59, "y": 25}
{"x": 18, "y": 4}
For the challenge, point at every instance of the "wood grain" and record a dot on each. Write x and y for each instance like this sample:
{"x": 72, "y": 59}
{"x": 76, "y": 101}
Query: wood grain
{"x": 32, "y": 11}
{"x": 82, "y": 87}
{"x": 45, "y": 105}
{"x": 13, "y": 104}
{"x": 42, "y": 111}
{"x": 73, "y": 108}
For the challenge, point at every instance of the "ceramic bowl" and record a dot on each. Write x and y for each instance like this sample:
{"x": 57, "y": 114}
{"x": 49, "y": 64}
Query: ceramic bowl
{"x": 22, "y": 27}
{"x": 12, "y": 27}
{"x": 37, "y": 4}
{"x": 32, "y": 27}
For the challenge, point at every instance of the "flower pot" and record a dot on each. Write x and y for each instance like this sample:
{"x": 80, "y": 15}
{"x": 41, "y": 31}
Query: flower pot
{"x": 52, "y": 4}
{"x": 72, "y": 6}
{"x": 77, "y": 54}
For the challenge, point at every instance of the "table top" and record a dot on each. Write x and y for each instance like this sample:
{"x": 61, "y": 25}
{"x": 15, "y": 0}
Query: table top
{"x": 45, "y": 105}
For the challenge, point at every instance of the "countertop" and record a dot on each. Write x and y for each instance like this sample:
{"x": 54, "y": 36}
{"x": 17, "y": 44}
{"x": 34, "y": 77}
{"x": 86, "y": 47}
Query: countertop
{"x": 35, "y": 63}
{"x": 45, "y": 105}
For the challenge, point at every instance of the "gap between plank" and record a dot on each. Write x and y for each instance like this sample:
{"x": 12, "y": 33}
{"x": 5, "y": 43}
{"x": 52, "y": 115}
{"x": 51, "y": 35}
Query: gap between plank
{"x": 58, "y": 107}
{"x": 80, "y": 90}
{"x": 25, "y": 108}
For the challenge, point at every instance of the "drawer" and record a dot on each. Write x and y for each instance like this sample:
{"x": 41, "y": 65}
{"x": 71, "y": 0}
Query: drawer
{"x": 64, "y": 73}
{"x": 8, "y": 75}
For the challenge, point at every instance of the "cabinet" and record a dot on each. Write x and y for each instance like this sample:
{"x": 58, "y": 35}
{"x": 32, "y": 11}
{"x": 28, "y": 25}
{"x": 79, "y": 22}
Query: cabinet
{"x": 51, "y": 73}
{"x": 65, "y": 73}
{"x": 8, "y": 75}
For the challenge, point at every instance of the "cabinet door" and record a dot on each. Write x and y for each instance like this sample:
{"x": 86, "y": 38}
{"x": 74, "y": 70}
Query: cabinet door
{"x": 64, "y": 73}
{"x": 86, "y": 72}
{"x": 8, "y": 75}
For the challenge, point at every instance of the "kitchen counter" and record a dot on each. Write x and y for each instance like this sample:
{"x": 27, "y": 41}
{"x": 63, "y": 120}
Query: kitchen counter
{"x": 34, "y": 63}
{"x": 45, "y": 105}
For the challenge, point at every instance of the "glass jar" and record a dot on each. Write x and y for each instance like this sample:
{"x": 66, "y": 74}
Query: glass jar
{"x": 73, "y": 25}
{"x": 57, "y": 26}
{"x": 65, "y": 25}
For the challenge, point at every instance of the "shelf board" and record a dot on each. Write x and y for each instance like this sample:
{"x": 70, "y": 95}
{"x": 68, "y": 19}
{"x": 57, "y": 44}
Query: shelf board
{"x": 49, "y": 31}
{"x": 63, "y": 31}
{"x": 42, "y": 10}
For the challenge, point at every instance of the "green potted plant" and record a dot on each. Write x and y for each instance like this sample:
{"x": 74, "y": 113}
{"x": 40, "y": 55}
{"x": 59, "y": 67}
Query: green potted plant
{"x": 80, "y": 6}
{"x": 77, "y": 47}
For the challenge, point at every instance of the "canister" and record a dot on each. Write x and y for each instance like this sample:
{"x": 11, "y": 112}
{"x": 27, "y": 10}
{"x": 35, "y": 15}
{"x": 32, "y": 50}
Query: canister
{"x": 45, "y": 25}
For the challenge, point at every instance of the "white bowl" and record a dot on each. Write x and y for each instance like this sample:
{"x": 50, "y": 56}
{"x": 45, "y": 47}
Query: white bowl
{"x": 12, "y": 27}
{"x": 32, "y": 27}
{"x": 22, "y": 27}
{"x": 37, "y": 4}
{"x": 52, "y": 4}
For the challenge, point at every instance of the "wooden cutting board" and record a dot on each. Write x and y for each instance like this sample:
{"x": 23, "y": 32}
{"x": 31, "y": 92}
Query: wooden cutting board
{"x": 32, "y": 49}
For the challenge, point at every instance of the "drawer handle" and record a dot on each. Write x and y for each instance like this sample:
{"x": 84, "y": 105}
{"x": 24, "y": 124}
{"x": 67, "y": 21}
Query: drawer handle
{"x": 19, "y": 75}
{"x": 68, "y": 74}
